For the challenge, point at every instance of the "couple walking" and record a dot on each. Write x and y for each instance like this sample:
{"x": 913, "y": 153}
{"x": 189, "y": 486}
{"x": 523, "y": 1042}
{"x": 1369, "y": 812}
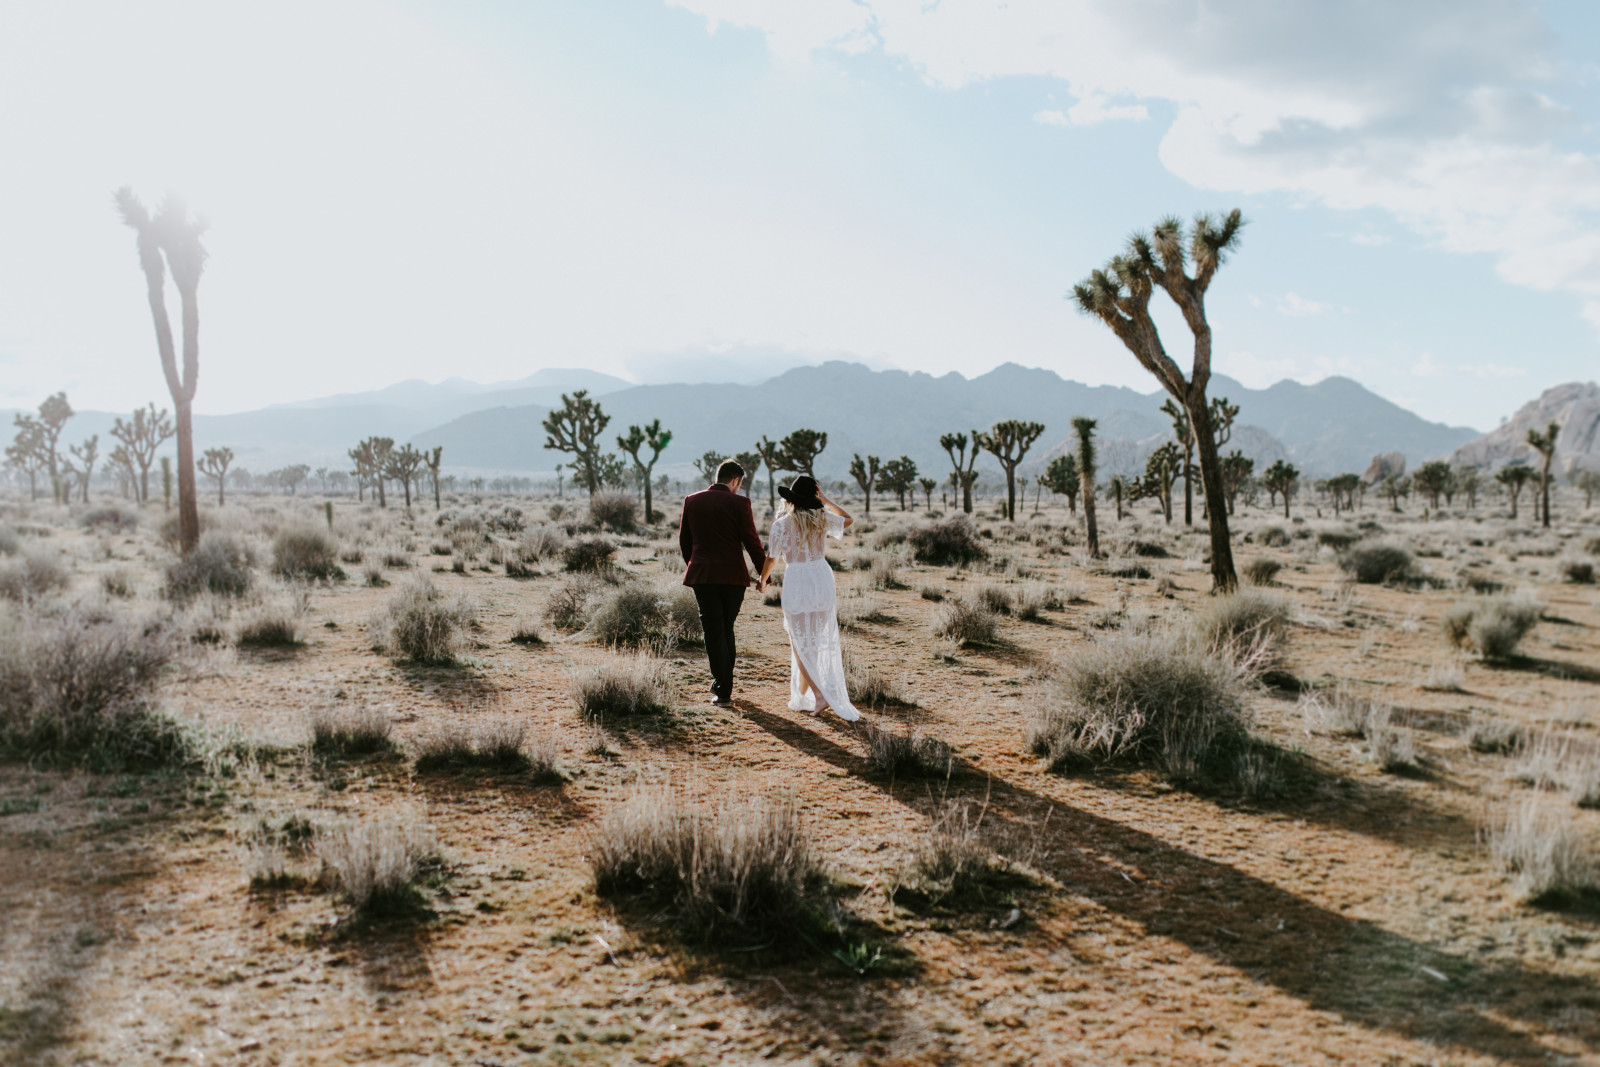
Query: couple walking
{"x": 717, "y": 526}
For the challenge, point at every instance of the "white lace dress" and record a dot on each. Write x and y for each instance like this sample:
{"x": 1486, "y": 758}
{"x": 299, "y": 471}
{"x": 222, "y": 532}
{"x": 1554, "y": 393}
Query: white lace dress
{"x": 811, "y": 616}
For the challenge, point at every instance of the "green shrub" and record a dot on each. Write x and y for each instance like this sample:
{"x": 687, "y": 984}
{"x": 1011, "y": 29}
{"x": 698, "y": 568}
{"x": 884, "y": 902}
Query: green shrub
{"x": 422, "y": 625}
{"x": 638, "y": 615}
{"x": 946, "y": 542}
{"x": 309, "y": 553}
{"x": 1375, "y": 562}
{"x": 220, "y": 564}
{"x": 614, "y": 510}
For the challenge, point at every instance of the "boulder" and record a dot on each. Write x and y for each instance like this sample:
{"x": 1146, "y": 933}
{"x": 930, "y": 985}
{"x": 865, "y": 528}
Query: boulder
{"x": 1382, "y": 466}
{"x": 1575, "y": 407}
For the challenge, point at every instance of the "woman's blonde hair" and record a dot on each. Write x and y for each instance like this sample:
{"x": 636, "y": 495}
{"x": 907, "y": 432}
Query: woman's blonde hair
{"x": 808, "y": 522}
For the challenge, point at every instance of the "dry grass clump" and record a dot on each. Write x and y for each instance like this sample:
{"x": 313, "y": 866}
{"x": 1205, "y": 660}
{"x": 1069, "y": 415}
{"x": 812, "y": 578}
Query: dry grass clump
{"x": 345, "y": 731}
{"x": 967, "y": 623}
{"x": 378, "y": 864}
{"x": 78, "y": 689}
{"x": 613, "y": 509}
{"x": 10, "y": 544}
{"x": 500, "y": 746}
{"x": 1152, "y": 696}
{"x": 1272, "y": 536}
{"x": 568, "y": 607}
{"x": 1561, "y": 760}
{"x": 1492, "y": 626}
{"x": 1262, "y": 571}
{"x": 907, "y": 754}
{"x": 1554, "y": 863}
{"x": 638, "y": 615}
{"x": 271, "y": 626}
{"x": 885, "y": 573}
{"x": 540, "y": 542}
{"x": 111, "y": 518}
{"x": 742, "y": 872}
{"x": 1445, "y": 676}
{"x": 118, "y": 583}
{"x": 420, "y": 624}
{"x": 623, "y": 689}
{"x": 955, "y": 861}
{"x": 1246, "y": 622}
{"x": 1491, "y": 735}
{"x": 1036, "y": 598}
{"x": 872, "y": 687}
{"x": 946, "y": 542}
{"x": 526, "y": 632}
{"x": 932, "y": 593}
{"x": 221, "y": 564}
{"x": 996, "y": 598}
{"x": 589, "y": 554}
{"x": 30, "y": 576}
{"x": 306, "y": 553}
{"x": 1389, "y": 745}
{"x": 372, "y": 571}
{"x": 1377, "y": 561}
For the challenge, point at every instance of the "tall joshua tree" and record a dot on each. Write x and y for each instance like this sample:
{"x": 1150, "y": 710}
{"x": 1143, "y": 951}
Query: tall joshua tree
{"x": 1280, "y": 478}
{"x": 26, "y": 452}
{"x": 800, "y": 451}
{"x": 928, "y": 485}
{"x": 1061, "y": 476}
{"x": 899, "y": 476}
{"x": 1119, "y": 295}
{"x": 1184, "y": 432}
{"x": 771, "y": 453}
{"x": 955, "y": 444}
{"x": 1117, "y": 486}
{"x": 1545, "y": 444}
{"x": 1513, "y": 477}
{"x": 1084, "y": 429}
{"x": 87, "y": 454}
{"x": 140, "y": 438}
{"x": 172, "y": 233}
{"x": 1008, "y": 442}
{"x": 402, "y": 465}
{"x": 751, "y": 462}
{"x": 865, "y": 472}
{"x": 576, "y": 427}
{"x": 638, "y": 437}
{"x": 214, "y": 464}
{"x": 433, "y": 461}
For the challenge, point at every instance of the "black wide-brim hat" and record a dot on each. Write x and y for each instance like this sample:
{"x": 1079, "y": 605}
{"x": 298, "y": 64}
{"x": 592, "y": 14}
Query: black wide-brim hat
{"x": 802, "y": 493}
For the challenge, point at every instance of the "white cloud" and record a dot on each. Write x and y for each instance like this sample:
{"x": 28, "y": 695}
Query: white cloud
{"x": 1052, "y": 118}
{"x": 1371, "y": 240}
{"x": 1493, "y": 370}
{"x": 1395, "y": 107}
{"x": 1257, "y": 372}
{"x": 1294, "y": 304}
{"x": 1426, "y": 366}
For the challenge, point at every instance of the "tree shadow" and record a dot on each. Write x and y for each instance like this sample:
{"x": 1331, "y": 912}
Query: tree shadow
{"x": 1354, "y": 968}
{"x": 1561, "y": 670}
{"x": 453, "y": 684}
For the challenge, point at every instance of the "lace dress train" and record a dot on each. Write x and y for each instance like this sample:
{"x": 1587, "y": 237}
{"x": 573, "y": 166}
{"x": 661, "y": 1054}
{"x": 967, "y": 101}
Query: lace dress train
{"x": 811, "y": 618}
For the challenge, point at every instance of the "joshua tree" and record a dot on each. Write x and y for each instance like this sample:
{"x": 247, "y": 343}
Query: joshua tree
{"x": 1119, "y": 295}
{"x": 1185, "y": 438}
{"x": 799, "y": 451}
{"x": 1394, "y": 487}
{"x": 1587, "y": 483}
{"x": 371, "y": 458}
{"x": 1514, "y": 476}
{"x": 657, "y": 439}
{"x": 1468, "y": 479}
{"x": 1008, "y": 442}
{"x": 1342, "y": 487}
{"x": 865, "y": 472}
{"x": 140, "y": 438}
{"x": 576, "y": 427}
{"x": 1084, "y": 429}
{"x": 1061, "y": 476}
{"x": 899, "y": 476}
{"x": 27, "y": 452}
{"x": 86, "y": 454}
{"x": 771, "y": 453}
{"x": 1281, "y": 477}
{"x": 928, "y": 485}
{"x": 1545, "y": 445}
{"x": 166, "y": 487}
{"x": 1116, "y": 487}
{"x": 955, "y": 444}
{"x": 751, "y": 462}
{"x": 402, "y": 465}
{"x": 1237, "y": 470}
{"x": 1161, "y": 470}
{"x": 707, "y": 465}
{"x": 214, "y": 464}
{"x": 172, "y": 233}
{"x": 433, "y": 460}
{"x": 1432, "y": 478}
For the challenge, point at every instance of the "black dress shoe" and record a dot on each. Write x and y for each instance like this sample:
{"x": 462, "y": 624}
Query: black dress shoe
{"x": 722, "y": 702}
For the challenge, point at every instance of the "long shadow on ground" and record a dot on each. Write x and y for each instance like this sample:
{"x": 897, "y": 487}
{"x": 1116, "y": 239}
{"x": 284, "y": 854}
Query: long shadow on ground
{"x": 1354, "y": 968}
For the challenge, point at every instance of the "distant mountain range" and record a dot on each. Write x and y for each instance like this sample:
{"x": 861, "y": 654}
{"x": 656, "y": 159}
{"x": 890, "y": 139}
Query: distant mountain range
{"x": 1333, "y": 426}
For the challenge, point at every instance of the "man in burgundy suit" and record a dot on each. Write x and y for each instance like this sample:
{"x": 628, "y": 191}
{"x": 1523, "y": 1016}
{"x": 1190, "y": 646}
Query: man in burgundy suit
{"x": 717, "y": 525}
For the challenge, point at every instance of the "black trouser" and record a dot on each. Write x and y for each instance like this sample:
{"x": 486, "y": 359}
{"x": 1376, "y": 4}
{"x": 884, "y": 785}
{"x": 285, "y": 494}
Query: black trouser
{"x": 719, "y": 606}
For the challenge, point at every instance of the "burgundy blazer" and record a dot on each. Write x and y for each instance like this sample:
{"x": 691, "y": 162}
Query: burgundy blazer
{"x": 717, "y": 524}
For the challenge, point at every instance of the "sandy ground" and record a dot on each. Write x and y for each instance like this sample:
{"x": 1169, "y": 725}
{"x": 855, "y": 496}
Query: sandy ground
{"x": 1359, "y": 920}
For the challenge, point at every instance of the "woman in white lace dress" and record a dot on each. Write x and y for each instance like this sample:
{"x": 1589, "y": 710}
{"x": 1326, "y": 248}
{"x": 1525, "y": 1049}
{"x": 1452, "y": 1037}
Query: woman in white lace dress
{"x": 810, "y": 607}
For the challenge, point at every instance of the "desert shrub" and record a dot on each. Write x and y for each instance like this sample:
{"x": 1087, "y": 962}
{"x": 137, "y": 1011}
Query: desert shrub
{"x": 613, "y": 509}
{"x": 379, "y": 863}
{"x": 344, "y": 731}
{"x": 911, "y": 753}
{"x": 221, "y": 564}
{"x": 31, "y": 575}
{"x": 1491, "y": 735}
{"x": 1444, "y": 676}
{"x": 114, "y": 519}
{"x": 526, "y": 632}
{"x": 952, "y": 859}
{"x": 1492, "y": 626}
{"x": 568, "y": 608}
{"x": 1272, "y": 536}
{"x": 540, "y": 542}
{"x": 1036, "y": 598}
{"x": 1341, "y": 712}
{"x": 395, "y": 557}
{"x": 741, "y": 872}
{"x": 372, "y": 572}
{"x": 1153, "y": 696}
{"x": 1578, "y": 571}
{"x": 1248, "y": 620}
{"x": 1560, "y": 760}
{"x": 1375, "y": 562}
{"x": 968, "y": 623}
{"x": 1553, "y": 861}
{"x": 636, "y": 614}
{"x": 118, "y": 582}
{"x": 170, "y": 531}
{"x": 423, "y": 625}
{"x": 873, "y": 688}
{"x": 996, "y": 598}
{"x": 933, "y": 593}
{"x": 9, "y": 542}
{"x": 78, "y": 689}
{"x": 1591, "y": 547}
{"x": 1338, "y": 540}
{"x": 500, "y": 746}
{"x": 1125, "y": 568}
{"x": 623, "y": 689}
{"x": 946, "y": 542}
{"x": 1389, "y": 745}
{"x": 589, "y": 554}
{"x": 271, "y": 626}
{"x": 1262, "y": 571}
{"x": 885, "y": 573}
{"x": 309, "y": 553}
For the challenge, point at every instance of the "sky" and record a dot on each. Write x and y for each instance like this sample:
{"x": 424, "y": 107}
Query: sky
{"x": 483, "y": 188}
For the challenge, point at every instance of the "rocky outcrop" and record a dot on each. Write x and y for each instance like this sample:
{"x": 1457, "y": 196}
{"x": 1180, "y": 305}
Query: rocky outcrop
{"x": 1575, "y": 407}
{"x": 1381, "y": 467}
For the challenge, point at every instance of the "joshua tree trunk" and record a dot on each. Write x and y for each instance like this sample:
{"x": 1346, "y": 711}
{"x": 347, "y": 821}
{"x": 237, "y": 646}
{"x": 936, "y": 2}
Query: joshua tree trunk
{"x": 1188, "y": 480}
{"x": 1222, "y": 572}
